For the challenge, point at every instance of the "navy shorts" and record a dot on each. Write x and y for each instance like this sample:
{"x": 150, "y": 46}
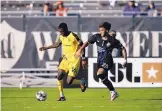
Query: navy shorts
{"x": 106, "y": 63}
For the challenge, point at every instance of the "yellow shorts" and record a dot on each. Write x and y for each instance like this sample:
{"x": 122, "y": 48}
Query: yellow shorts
{"x": 70, "y": 66}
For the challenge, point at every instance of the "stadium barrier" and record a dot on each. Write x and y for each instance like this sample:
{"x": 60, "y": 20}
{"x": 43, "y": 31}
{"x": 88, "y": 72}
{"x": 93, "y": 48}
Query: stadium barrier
{"x": 29, "y": 77}
{"x": 21, "y": 38}
{"x": 140, "y": 72}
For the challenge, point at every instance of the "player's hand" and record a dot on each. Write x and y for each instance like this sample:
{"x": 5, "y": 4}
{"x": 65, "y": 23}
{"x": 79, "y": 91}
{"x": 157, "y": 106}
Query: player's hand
{"x": 124, "y": 64}
{"x": 78, "y": 54}
{"x": 84, "y": 64}
{"x": 42, "y": 48}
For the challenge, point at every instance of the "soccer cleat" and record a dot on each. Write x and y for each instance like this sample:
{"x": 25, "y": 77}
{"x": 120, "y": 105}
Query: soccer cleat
{"x": 61, "y": 99}
{"x": 114, "y": 95}
{"x": 83, "y": 84}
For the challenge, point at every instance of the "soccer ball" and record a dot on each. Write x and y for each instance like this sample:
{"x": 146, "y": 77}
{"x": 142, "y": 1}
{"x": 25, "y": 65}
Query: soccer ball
{"x": 41, "y": 96}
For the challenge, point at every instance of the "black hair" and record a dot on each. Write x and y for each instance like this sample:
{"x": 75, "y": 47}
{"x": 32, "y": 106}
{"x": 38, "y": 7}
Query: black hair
{"x": 60, "y": 4}
{"x": 47, "y": 3}
{"x": 63, "y": 26}
{"x": 153, "y": 4}
{"x": 106, "y": 25}
{"x": 133, "y": 3}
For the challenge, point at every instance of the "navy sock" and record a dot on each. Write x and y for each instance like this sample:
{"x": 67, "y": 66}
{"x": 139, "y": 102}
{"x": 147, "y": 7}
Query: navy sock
{"x": 106, "y": 82}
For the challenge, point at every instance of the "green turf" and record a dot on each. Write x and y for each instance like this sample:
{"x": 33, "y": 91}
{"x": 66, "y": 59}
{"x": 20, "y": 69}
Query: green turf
{"x": 14, "y": 99}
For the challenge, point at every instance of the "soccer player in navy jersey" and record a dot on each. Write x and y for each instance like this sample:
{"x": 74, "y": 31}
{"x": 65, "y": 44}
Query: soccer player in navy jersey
{"x": 105, "y": 44}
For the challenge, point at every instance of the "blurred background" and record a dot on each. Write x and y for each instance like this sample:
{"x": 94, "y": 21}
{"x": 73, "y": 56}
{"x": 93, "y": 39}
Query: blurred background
{"x": 27, "y": 25}
{"x": 82, "y": 7}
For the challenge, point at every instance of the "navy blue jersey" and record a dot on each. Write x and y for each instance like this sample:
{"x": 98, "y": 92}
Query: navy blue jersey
{"x": 105, "y": 47}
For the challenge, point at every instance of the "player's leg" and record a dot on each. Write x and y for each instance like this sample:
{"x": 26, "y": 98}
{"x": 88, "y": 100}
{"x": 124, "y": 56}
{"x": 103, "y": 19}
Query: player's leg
{"x": 83, "y": 85}
{"x": 113, "y": 92}
{"x": 104, "y": 66}
{"x": 62, "y": 70}
{"x": 73, "y": 72}
{"x": 60, "y": 76}
{"x": 70, "y": 80}
{"x": 103, "y": 75}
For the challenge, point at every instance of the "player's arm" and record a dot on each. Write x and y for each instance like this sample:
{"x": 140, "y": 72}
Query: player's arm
{"x": 91, "y": 40}
{"x": 123, "y": 50}
{"x": 55, "y": 45}
{"x": 84, "y": 45}
{"x": 80, "y": 42}
{"x": 124, "y": 53}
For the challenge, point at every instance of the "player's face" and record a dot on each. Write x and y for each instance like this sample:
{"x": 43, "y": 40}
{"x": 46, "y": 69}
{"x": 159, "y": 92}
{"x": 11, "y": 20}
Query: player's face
{"x": 102, "y": 31}
{"x": 62, "y": 32}
{"x": 60, "y": 6}
{"x": 130, "y": 3}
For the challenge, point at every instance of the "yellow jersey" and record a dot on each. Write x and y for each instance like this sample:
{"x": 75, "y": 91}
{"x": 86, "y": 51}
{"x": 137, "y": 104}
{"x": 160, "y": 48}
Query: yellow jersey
{"x": 70, "y": 44}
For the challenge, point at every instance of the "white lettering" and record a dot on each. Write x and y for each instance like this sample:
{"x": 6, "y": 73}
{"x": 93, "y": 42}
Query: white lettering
{"x": 155, "y": 43}
{"x": 48, "y": 41}
{"x": 94, "y": 48}
{"x": 125, "y": 44}
{"x": 137, "y": 43}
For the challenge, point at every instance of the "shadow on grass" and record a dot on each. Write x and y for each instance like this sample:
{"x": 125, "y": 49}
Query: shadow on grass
{"x": 160, "y": 99}
{"x": 152, "y": 99}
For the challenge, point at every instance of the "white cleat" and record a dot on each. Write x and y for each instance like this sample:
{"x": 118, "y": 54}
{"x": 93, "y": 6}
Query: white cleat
{"x": 114, "y": 95}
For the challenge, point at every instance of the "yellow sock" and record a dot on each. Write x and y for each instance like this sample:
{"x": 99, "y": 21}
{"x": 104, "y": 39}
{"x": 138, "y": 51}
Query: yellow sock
{"x": 60, "y": 87}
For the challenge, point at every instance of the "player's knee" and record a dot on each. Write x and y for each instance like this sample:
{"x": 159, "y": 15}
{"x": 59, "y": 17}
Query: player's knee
{"x": 100, "y": 71}
{"x": 60, "y": 75}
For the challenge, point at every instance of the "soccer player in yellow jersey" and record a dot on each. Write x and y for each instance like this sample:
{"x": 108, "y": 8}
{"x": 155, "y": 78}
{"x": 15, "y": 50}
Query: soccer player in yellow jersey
{"x": 69, "y": 64}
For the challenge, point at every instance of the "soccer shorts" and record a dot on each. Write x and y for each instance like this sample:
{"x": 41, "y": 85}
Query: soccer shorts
{"x": 70, "y": 66}
{"x": 106, "y": 63}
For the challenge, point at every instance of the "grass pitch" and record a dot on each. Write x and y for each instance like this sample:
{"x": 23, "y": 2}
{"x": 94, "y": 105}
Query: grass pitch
{"x": 14, "y": 99}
